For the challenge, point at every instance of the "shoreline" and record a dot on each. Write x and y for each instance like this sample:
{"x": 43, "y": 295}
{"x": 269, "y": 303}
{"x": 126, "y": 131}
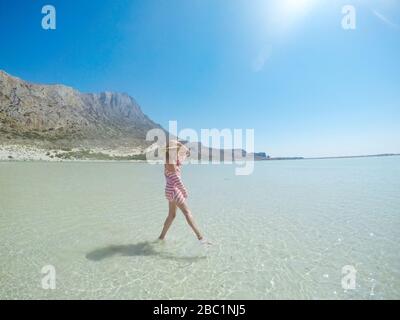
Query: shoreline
{"x": 21, "y": 153}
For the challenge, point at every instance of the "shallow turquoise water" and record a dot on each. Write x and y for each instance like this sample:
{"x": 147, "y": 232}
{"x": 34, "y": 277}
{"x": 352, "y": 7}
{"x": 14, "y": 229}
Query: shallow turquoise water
{"x": 284, "y": 232}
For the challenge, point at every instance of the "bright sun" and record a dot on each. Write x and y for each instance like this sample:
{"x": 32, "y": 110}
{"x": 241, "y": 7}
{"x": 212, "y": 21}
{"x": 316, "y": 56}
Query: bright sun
{"x": 288, "y": 12}
{"x": 281, "y": 16}
{"x": 296, "y": 7}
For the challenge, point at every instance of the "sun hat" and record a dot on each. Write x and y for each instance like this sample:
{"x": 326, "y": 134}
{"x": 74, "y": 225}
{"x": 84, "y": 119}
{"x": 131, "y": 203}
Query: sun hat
{"x": 173, "y": 144}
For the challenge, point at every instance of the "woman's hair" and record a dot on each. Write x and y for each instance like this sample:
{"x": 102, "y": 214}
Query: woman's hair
{"x": 171, "y": 145}
{"x": 167, "y": 154}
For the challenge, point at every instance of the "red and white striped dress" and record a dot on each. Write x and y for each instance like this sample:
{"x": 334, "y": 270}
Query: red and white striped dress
{"x": 174, "y": 188}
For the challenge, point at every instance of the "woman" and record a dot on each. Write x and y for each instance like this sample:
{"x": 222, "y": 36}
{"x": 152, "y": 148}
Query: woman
{"x": 175, "y": 191}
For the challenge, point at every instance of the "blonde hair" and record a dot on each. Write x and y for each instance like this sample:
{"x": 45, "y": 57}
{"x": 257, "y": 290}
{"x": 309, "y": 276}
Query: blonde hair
{"x": 172, "y": 145}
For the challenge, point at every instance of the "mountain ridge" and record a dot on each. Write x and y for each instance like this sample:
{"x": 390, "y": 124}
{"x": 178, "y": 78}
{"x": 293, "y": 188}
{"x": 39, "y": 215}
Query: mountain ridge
{"x": 56, "y": 114}
{"x": 37, "y": 118}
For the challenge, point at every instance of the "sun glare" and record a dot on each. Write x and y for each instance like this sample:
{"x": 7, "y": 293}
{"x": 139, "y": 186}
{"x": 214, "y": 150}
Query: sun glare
{"x": 293, "y": 8}
{"x": 282, "y": 15}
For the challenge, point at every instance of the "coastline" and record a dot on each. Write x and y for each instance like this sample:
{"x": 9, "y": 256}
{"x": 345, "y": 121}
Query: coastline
{"x": 20, "y": 153}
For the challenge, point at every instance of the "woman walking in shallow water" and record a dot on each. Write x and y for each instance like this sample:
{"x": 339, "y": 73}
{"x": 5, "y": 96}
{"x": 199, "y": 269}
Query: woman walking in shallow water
{"x": 175, "y": 191}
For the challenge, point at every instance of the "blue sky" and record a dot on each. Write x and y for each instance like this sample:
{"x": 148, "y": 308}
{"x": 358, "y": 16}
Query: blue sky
{"x": 285, "y": 68}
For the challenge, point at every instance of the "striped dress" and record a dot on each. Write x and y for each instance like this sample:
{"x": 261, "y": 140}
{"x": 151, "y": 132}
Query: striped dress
{"x": 174, "y": 188}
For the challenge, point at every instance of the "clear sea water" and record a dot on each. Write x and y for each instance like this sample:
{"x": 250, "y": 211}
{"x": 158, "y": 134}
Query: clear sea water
{"x": 284, "y": 232}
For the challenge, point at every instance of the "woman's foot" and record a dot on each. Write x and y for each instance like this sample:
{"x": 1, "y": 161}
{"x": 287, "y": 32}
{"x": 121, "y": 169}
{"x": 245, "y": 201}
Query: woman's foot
{"x": 204, "y": 241}
{"x": 159, "y": 240}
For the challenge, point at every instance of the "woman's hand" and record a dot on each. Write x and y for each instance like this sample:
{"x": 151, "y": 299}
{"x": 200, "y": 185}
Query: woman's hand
{"x": 183, "y": 152}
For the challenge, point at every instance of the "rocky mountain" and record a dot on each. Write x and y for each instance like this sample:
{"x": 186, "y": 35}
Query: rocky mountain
{"x": 36, "y": 119}
{"x": 54, "y": 115}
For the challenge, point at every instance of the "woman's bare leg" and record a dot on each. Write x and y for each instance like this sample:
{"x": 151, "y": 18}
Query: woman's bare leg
{"x": 190, "y": 220}
{"x": 169, "y": 220}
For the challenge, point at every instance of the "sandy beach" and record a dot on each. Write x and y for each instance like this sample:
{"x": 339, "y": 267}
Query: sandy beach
{"x": 31, "y": 153}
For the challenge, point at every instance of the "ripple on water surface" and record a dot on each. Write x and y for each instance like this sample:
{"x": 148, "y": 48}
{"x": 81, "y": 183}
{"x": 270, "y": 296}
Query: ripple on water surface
{"x": 285, "y": 231}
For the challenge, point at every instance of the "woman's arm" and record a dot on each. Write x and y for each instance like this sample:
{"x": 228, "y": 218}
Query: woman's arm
{"x": 183, "y": 152}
